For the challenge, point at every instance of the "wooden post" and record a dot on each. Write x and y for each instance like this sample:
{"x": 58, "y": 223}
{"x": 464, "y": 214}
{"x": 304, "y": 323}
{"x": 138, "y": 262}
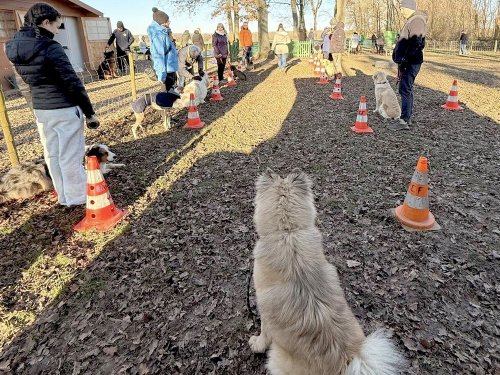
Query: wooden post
{"x": 495, "y": 48}
{"x": 7, "y": 131}
{"x": 132, "y": 75}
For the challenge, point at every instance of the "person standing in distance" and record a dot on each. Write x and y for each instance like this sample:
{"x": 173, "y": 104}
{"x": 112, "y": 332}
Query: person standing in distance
{"x": 124, "y": 40}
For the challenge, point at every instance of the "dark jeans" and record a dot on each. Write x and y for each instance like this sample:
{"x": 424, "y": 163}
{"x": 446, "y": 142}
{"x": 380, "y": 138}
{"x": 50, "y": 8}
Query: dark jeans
{"x": 407, "y": 77}
{"x": 123, "y": 63}
{"x": 221, "y": 64}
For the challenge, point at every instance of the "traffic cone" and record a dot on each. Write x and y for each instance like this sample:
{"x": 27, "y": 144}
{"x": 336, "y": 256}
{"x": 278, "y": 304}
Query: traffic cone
{"x": 414, "y": 213}
{"x": 337, "y": 89}
{"x": 230, "y": 79}
{"x": 215, "y": 95}
{"x": 101, "y": 213}
{"x": 361, "y": 125}
{"x": 317, "y": 69}
{"x": 194, "y": 121}
{"x": 311, "y": 59}
{"x": 323, "y": 79}
{"x": 452, "y": 102}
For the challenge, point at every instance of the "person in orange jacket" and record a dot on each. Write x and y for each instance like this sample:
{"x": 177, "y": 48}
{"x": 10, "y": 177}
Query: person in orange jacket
{"x": 246, "y": 42}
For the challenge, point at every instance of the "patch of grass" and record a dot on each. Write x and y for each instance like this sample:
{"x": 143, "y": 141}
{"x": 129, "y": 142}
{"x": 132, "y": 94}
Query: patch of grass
{"x": 90, "y": 287}
{"x": 47, "y": 275}
{"x": 12, "y": 322}
{"x": 4, "y": 230}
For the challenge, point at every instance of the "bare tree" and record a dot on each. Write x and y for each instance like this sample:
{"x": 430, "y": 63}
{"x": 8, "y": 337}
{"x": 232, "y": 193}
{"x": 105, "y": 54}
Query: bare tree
{"x": 315, "y": 5}
{"x": 295, "y": 18}
{"x": 263, "y": 16}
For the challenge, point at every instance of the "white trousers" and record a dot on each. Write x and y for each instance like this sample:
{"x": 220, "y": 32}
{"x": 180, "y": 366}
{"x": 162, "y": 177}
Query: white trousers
{"x": 61, "y": 133}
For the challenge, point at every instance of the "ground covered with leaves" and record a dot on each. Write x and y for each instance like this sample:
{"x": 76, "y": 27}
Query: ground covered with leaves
{"x": 166, "y": 291}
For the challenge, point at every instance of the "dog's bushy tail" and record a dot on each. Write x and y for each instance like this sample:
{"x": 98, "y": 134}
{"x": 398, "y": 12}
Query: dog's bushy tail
{"x": 378, "y": 356}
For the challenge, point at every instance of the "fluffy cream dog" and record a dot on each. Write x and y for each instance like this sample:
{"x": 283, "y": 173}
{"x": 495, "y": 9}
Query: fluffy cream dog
{"x": 387, "y": 102}
{"x": 305, "y": 319}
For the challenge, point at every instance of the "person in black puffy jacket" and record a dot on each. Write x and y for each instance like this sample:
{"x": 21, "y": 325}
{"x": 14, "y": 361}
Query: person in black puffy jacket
{"x": 59, "y": 100}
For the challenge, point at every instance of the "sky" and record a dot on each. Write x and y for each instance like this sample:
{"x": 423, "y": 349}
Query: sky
{"x": 137, "y": 15}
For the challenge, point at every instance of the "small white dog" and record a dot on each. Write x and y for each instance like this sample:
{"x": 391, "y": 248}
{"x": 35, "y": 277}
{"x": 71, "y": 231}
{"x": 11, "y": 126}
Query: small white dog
{"x": 386, "y": 101}
{"x": 305, "y": 319}
{"x": 198, "y": 88}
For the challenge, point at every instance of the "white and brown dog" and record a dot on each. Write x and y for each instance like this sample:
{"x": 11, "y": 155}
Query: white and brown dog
{"x": 387, "y": 104}
{"x": 198, "y": 88}
{"x": 30, "y": 178}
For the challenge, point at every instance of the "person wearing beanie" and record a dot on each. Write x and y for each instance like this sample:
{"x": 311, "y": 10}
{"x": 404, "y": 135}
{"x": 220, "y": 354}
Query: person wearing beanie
{"x": 188, "y": 56}
{"x": 59, "y": 99}
{"x": 246, "y": 43}
{"x": 124, "y": 40}
{"x": 185, "y": 38}
{"x": 198, "y": 39}
{"x": 163, "y": 51}
{"x": 408, "y": 54}
{"x": 221, "y": 49}
{"x": 280, "y": 46}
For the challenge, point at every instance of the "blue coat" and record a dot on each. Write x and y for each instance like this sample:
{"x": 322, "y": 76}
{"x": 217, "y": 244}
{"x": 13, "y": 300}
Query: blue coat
{"x": 163, "y": 51}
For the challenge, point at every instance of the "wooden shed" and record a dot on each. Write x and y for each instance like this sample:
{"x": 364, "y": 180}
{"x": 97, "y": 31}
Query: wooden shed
{"x": 83, "y": 37}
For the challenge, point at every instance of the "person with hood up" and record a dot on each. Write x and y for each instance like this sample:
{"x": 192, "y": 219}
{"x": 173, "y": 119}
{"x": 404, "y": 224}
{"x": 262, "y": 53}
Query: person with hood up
{"x": 188, "y": 56}
{"x": 185, "y": 38}
{"x": 124, "y": 40}
{"x": 59, "y": 100}
{"x": 337, "y": 41}
{"x": 163, "y": 51}
{"x": 221, "y": 50}
{"x": 198, "y": 39}
{"x": 408, "y": 54}
{"x": 246, "y": 43}
{"x": 280, "y": 46}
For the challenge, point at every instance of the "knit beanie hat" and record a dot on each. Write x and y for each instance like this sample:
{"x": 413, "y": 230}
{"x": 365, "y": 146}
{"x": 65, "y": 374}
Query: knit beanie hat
{"x": 159, "y": 16}
{"x": 120, "y": 24}
{"x": 410, "y": 4}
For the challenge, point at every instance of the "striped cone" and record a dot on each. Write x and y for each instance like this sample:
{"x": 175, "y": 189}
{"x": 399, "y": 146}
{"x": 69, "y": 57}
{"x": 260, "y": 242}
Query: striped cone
{"x": 311, "y": 59}
{"x": 323, "y": 79}
{"x": 317, "y": 68}
{"x": 215, "y": 95}
{"x": 230, "y": 79}
{"x": 361, "y": 125}
{"x": 101, "y": 213}
{"x": 194, "y": 121}
{"x": 452, "y": 102}
{"x": 337, "y": 89}
{"x": 414, "y": 213}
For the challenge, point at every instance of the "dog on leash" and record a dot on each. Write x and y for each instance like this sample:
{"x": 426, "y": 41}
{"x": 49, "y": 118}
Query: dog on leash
{"x": 198, "y": 88}
{"x": 305, "y": 319}
{"x": 387, "y": 104}
{"x": 238, "y": 73}
{"x": 107, "y": 68}
{"x": 31, "y": 178}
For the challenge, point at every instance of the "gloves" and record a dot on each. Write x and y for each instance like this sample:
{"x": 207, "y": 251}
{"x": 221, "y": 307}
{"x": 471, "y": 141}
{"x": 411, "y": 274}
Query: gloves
{"x": 197, "y": 78}
{"x": 92, "y": 122}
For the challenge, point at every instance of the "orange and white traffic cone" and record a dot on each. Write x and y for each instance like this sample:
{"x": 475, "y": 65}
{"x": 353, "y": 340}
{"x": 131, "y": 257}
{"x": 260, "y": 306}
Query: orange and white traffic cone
{"x": 317, "y": 68}
{"x": 230, "y": 79}
{"x": 311, "y": 59}
{"x": 452, "y": 102}
{"x": 101, "y": 213}
{"x": 215, "y": 95}
{"x": 323, "y": 79}
{"x": 361, "y": 125}
{"x": 337, "y": 89}
{"x": 193, "y": 121}
{"x": 414, "y": 213}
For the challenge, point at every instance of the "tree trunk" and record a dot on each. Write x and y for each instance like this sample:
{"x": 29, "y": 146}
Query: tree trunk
{"x": 302, "y": 21}
{"x": 236, "y": 20}
{"x": 497, "y": 23}
{"x": 263, "y": 14}
{"x": 229, "y": 16}
{"x": 340, "y": 10}
{"x": 295, "y": 18}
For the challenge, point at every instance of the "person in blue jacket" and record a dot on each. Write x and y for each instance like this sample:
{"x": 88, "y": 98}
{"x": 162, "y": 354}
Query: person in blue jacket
{"x": 163, "y": 50}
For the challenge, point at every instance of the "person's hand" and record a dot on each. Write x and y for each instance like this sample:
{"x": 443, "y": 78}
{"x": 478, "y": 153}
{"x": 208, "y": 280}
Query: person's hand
{"x": 219, "y": 55}
{"x": 92, "y": 122}
{"x": 106, "y": 48}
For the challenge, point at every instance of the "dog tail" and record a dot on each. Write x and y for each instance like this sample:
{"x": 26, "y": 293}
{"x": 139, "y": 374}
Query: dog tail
{"x": 378, "y": 356}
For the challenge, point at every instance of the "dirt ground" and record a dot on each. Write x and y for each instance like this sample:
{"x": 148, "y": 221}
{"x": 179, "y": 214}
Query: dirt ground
{"x": 166, "y": 291}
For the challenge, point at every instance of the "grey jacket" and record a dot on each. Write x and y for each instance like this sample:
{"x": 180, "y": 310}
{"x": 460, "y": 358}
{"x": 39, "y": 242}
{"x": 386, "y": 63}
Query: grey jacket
{"x": 123, "y": 39}
{"x": 186, "y": 62}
